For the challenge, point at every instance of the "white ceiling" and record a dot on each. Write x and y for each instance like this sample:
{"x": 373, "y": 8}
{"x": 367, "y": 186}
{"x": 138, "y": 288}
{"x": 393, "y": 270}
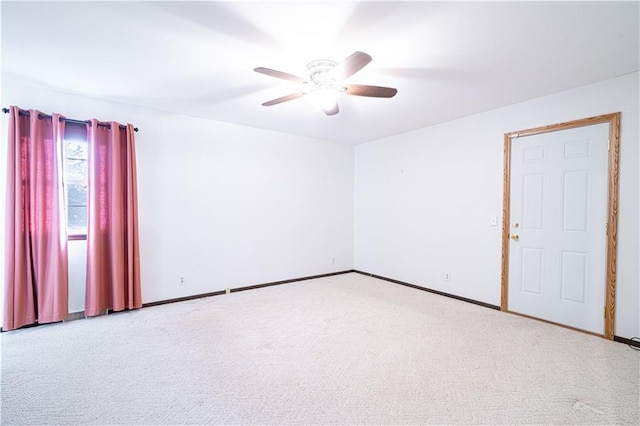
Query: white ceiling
{"x": 447, "y": 59}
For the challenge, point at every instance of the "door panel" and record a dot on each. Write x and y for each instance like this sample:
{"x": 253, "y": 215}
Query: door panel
{"x": 575, "y": 201}
{"x": 574, "y": 276}
{"x": 532, "y": 201}
{"x": 558, "y": 197}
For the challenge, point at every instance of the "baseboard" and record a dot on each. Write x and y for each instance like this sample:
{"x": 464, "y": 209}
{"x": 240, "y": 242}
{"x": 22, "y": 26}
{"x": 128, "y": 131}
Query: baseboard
{"x": 634, "y": 341}
{"x": 183, "y": 299}
{"x": 429, "y": 290}
{"x": 75, "y": 316}
{"x": 236, "y": 289}
{"x": 312, "y": 277}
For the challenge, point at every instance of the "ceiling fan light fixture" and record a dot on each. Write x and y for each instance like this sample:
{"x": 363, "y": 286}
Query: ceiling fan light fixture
{"x": 324, "y": 98}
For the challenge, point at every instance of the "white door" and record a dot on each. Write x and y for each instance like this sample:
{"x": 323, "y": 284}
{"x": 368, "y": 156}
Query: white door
{"x": 557, "y": 251}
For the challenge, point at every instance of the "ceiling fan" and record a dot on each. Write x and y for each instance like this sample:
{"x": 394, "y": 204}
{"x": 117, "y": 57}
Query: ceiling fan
{"x": 324, "y": 84}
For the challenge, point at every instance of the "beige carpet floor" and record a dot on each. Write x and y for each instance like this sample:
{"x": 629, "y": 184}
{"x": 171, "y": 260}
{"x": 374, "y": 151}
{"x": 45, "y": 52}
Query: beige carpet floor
{"x": 347, "y": 349}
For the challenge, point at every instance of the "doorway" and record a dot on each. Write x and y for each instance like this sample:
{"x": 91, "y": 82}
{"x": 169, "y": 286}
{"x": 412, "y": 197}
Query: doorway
{"x": 559, "y": 229}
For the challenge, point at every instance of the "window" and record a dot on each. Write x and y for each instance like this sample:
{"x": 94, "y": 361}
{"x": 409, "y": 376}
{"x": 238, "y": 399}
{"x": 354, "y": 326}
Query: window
{"x": 76, "y": 180}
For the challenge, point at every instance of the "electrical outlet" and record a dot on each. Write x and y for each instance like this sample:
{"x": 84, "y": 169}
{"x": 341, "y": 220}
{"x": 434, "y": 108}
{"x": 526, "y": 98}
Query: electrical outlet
{"x": 447, "y": 276}
{"x": 181, "y": 280}
{"x": 333, "y": 260}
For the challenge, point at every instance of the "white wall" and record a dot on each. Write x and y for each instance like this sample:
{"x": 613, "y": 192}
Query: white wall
{"x": 222, "y": 205}
{"x": 424, "y": 199}
{"x": 227, "y": 206}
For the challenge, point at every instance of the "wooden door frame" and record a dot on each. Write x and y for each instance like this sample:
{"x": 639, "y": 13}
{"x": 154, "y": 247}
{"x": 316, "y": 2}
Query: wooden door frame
{"x": 612, "y": 208}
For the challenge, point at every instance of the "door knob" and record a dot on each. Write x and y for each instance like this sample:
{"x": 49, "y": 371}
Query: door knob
{"x": 515, "y": 237}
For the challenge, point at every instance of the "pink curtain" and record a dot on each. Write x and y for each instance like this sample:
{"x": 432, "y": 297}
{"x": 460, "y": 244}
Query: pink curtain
{"x": 36, "y": 268}
{"x": 113, "y": 259}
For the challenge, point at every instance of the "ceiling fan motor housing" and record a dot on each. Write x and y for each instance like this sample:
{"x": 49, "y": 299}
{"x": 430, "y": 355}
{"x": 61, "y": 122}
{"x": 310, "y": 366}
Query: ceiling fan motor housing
{"x": 320, "y": 73}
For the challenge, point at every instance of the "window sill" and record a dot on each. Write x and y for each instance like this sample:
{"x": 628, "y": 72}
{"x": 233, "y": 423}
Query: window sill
{"x": 77, "y": 237}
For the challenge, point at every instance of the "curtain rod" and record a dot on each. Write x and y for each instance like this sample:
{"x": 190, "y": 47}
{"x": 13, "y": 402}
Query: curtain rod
{"x": 68, "y": 120}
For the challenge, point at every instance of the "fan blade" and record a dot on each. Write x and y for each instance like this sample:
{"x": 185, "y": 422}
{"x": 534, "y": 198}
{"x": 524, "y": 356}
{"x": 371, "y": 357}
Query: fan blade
{"x": 284, "y": 99}
{"x": 280, "y": 74}
{"x": 371, "y": 91}
{"x": 350, "y": 65}
{"x": 333, "y": 110}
